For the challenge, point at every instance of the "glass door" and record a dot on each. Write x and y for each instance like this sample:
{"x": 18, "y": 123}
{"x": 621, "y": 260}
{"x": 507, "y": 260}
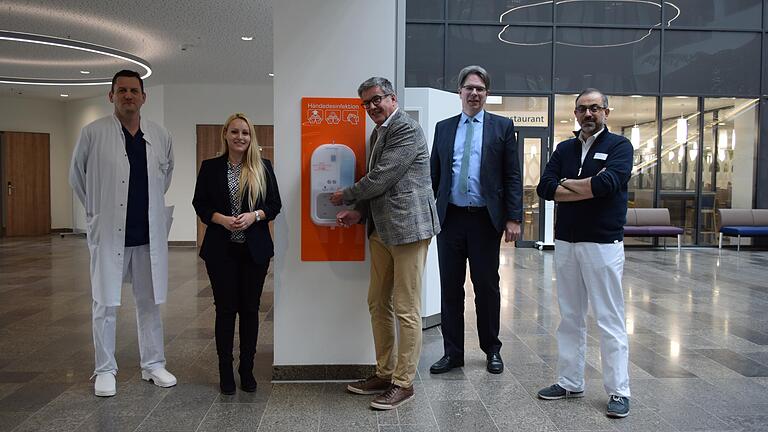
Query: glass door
{"x": 532, "y": 143}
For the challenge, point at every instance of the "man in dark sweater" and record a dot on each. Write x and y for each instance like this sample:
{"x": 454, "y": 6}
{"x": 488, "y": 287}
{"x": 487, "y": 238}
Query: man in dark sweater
{"x": 587, "y": 176}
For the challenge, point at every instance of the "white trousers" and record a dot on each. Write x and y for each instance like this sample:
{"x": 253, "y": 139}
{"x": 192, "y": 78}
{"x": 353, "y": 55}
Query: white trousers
{"x": 591, "y": 272}
{"x": 136, "y": 268}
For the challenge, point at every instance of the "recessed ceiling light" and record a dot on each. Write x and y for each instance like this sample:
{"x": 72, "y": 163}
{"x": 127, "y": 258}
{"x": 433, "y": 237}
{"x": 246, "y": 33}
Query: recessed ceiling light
{"x": 64, "y": 95}
{"x": 69, "y": 44}
{"x": 636, "y": 96}
{"x": 271, "y": 74}
{"x": 246, "y": 38}
{"x": 681, "y": 97}
{"x": 85, "y": 72}
{"x": 563, "y": 121}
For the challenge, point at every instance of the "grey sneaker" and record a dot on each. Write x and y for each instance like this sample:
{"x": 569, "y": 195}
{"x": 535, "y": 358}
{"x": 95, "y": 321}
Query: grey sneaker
{"x": 618, "y": 406}
{"x": 556, "y": 392}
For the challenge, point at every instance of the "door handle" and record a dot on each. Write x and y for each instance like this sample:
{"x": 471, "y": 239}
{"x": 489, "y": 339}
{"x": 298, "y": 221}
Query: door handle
{"x": 11, "y": 187}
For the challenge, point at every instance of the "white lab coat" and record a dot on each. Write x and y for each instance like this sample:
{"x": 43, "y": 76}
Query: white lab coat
{"x": 99, "y": 177}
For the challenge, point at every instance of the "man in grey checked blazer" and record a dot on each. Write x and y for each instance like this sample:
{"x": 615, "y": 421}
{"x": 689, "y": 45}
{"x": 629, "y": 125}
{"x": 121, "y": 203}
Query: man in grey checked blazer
{"x": 395, "y": 198}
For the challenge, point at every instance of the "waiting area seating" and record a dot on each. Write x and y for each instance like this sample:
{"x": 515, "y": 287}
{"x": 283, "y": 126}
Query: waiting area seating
{"x": 742, "y": 222}
{"x": 651, "y": 222}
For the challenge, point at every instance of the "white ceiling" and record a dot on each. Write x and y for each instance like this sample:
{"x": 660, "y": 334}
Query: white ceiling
{"x": 209, "y": 31}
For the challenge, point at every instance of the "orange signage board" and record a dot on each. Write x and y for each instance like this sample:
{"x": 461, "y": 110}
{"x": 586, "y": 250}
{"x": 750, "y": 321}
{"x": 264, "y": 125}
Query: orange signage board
{"x": 332, "y": 158}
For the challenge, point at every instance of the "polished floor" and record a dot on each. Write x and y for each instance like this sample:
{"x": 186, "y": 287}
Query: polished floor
{"x": 698, "y": 323}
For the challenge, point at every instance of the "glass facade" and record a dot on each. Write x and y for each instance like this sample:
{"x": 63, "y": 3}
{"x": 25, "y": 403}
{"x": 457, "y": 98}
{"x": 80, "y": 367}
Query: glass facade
{"x": 684, "y": 80}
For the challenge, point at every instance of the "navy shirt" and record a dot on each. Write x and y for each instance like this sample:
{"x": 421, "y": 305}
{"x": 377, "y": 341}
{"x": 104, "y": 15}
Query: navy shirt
{"x": 137, "y": 214}
{"x": 608, "y": 162}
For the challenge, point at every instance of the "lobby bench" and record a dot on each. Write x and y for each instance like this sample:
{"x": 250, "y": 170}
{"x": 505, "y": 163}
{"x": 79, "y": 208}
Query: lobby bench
{"x": 651, "y": 222}
{"x": 742, "y": 222}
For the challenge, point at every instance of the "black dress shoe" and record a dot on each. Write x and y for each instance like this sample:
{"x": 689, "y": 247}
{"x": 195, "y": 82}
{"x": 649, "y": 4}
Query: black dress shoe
{"x": 495, "y": 365}
{"x": 445, "y": 364}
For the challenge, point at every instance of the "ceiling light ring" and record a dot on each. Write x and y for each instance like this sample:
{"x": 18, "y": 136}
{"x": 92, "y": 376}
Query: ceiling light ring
{"x": 69, "y": 44}
{"x": 559, "y": 2}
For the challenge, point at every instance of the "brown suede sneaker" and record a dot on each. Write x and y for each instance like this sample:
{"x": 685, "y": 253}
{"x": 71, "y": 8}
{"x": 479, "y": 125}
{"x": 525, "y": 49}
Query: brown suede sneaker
{"x": 392, "y": 398}
{"x": 370, "y": 385}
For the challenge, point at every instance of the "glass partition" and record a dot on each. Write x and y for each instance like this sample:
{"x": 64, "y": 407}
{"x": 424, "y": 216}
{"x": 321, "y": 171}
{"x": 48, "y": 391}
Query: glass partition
{"x": 728, "y": 164}
{"x": 679, "y": 158}
{"x": 494, "y": 46}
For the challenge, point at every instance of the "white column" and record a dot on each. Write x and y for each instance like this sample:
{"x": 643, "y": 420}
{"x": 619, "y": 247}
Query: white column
{"x": 322, "y": 49}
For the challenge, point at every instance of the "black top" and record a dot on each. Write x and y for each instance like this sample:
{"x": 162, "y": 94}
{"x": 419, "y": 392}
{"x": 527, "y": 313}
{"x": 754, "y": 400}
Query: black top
{"x": 137, "y": 213}
{"x": 212, "y": 195}
{"x": 600, "y": 219}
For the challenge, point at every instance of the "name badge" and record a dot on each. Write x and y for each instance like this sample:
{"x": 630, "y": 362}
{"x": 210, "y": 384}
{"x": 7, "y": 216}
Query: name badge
{"x": 601, "y": 156}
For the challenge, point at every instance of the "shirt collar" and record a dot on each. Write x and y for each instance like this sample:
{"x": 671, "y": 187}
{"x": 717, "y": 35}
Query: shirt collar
{"x": 139, "y": 134}
{"x": 591, "y": 139}
{"x": 478, "y": 117}
{"x": 389, "y": 119}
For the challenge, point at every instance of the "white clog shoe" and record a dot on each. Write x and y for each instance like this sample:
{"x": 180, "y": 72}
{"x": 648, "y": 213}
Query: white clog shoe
{"x": 160, "y": 377}
{"x": 105, "y": 385}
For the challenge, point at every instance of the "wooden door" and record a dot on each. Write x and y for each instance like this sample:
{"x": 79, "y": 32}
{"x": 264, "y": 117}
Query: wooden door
{"x": 26, "y": 182}
{"x": 209, "y": 146}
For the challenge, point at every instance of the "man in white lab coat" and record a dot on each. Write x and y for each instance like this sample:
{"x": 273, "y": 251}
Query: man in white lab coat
{"x": 120, "y": 171}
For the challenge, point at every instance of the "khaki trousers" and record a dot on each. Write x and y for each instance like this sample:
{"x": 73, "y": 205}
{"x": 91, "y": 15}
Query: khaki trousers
{"x": 395, "y": 291}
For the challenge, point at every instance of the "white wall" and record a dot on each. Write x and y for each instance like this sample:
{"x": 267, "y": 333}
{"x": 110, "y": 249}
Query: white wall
{"x": 179, "y": 108}
{"x": 187, "y": 105}
{"x": 31, "y": 115}
{"x": 321, "y": 49}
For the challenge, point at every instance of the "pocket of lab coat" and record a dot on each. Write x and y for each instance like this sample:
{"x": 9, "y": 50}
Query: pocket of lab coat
{"x": 92, "y": 226}
{"x": 168, "y": 219}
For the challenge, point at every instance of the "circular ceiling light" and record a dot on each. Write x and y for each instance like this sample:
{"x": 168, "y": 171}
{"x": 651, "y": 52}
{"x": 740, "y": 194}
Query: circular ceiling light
{"x": 502, "y": 38}
{"x": 69, "y": 44}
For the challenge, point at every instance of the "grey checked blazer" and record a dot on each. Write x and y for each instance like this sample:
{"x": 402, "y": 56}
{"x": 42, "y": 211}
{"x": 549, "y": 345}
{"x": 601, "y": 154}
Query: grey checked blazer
{"x": 395, "y": 197}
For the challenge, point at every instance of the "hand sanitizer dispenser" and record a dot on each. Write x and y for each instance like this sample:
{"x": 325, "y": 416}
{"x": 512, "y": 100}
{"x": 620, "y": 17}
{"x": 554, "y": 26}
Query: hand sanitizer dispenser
{"x": 332, "y": 169}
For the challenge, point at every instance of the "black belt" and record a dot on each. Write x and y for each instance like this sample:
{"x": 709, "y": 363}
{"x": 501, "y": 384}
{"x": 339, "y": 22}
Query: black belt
{"x": 468, "y": 209}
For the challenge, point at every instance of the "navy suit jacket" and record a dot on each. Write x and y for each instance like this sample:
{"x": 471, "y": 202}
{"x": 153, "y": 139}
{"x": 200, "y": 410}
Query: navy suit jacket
{"x": 500, "y": 177}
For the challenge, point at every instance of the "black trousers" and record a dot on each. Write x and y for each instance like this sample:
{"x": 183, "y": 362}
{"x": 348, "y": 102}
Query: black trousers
{"x": 237, "y": 284}
{"x": 469, "y": 234}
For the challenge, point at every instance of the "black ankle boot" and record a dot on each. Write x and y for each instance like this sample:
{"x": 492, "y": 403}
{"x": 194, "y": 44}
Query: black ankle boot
{"x": 226, "y": 378}
{"x": 247, "y": 381}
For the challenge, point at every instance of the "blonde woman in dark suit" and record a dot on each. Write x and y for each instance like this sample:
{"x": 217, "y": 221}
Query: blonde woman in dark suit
{"x": 236, "y": 196}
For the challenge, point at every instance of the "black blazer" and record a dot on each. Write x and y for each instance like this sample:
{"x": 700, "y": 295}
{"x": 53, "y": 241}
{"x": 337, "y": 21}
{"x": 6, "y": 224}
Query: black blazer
{"x": 500, "y": 177}
{"x": 212, "y": 195}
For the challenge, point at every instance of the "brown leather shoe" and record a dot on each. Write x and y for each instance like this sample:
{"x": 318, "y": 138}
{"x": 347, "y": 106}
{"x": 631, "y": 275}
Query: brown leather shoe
{"x": 370, "y": 385}
{"x": 392, "y": 398}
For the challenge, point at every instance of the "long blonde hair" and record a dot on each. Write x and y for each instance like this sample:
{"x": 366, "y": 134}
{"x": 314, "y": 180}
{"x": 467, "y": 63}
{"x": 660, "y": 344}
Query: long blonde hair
{"x": 253, "y": 176}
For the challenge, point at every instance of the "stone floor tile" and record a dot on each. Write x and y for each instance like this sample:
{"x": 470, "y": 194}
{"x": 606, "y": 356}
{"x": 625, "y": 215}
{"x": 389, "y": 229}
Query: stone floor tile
{"x": 232, "y": 417}
{"x": 462, "y": 416}
{"x": 289, "y": 423}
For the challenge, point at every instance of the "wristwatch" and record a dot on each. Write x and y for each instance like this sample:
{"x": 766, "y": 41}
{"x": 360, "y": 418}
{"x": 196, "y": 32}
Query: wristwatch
{"x": 258, "y": 217}
{"x": 562, "y": 180}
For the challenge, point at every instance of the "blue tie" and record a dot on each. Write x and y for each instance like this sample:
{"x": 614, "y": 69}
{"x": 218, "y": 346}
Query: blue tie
{"x": 464, "y": 172}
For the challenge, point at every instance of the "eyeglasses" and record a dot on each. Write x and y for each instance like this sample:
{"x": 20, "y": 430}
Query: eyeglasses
{"x": 594, "y": 109}
{"x": 471, "y": 88}
{"x": 374, "y": 101}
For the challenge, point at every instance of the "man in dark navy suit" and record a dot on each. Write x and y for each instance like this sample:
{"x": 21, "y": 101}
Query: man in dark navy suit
{"x": 477, "y": 183}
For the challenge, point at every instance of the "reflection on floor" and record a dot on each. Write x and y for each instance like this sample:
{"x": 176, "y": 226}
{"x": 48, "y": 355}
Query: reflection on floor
{"x": 699, "y": 353}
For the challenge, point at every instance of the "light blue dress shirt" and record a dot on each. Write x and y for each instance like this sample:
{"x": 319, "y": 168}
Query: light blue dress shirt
{"x": 474, "y": 197}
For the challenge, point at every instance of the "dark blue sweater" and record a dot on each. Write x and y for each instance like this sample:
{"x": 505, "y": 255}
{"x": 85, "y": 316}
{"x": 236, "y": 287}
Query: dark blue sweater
{"x": 600, "y": 219}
